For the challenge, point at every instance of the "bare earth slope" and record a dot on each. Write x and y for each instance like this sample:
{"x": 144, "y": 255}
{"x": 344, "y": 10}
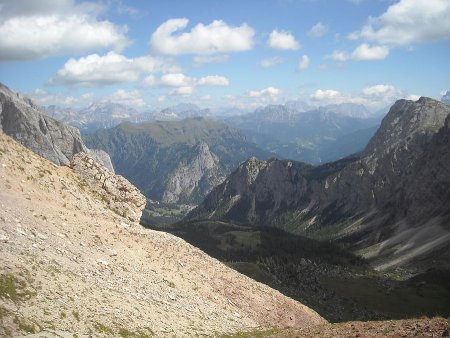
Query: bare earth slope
{"x": 69, "y": 265}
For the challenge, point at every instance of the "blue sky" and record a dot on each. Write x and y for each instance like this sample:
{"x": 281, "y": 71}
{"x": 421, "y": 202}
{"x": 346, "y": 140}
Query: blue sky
{"x": 219, "y": 53}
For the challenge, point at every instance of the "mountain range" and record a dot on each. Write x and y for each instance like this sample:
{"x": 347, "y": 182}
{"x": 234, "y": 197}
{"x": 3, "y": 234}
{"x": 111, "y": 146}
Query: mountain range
{"x": 175, "y": 161}
{"x": 108, "y": 114}
{"x": 71, "y": 241}
{"x": 303, "y": 133}
{"x": 389, "y": 203}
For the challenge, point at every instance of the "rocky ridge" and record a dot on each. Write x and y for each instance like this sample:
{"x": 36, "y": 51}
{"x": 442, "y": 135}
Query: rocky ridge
{"x": 120, "y": 195}
{"x": 29, "y": 125}
{"x": 390, "y": 203}
{"x": 71, "y": 266}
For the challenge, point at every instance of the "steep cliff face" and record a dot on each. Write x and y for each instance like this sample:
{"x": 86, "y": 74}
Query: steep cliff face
{"x": 194, "y": 178}
{"x": 24, "y": 121}
{"x": 392, "y": 202}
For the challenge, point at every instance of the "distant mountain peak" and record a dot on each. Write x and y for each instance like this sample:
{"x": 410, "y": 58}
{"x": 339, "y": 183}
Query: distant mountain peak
{"x": 446, "y": 97}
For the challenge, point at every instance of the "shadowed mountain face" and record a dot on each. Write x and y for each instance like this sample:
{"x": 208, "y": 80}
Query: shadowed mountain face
{"x": 175, "y": 161}
{"x": 391, "y": 203}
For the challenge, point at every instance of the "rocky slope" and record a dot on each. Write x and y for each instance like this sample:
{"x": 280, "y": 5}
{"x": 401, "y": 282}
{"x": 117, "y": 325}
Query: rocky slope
{"x": 175, "y": 161}
{"x": 390, "y": 204}
{"x": 28, "y": 124}
{"x": 71, "y": 266}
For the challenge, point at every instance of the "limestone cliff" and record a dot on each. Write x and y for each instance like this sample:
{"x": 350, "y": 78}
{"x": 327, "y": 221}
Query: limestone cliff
{"x": 195, "y": 177}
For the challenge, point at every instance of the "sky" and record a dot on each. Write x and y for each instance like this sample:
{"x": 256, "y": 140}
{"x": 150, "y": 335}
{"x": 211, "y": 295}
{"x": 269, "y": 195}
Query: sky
{"x": 217, "y": 53}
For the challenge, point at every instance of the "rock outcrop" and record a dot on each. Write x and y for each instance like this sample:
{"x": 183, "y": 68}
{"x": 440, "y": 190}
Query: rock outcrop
{"x": 28, "y": 124}
{"x": 390, "y": 203}
{"x": 120, "y": 195}
{"x": 194, "y": 178}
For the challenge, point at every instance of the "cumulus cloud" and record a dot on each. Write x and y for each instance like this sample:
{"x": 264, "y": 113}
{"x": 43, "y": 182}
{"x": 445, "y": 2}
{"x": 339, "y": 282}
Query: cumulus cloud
{"x": 266, "y": 92}
{"x": 44, "y": 98}
{"x": 182, "y": 91}
{"x": 363, "y": 52}
{"x": 408, "y": 22}
{"x": 181, "y": 80}
{"x": 31, "y": 30}
{"x": 318, "y": 30}
{"x": 270, "y": 62}
{"x": 106, "y": 69}
{"x": 339, "y": 55}
{"x": 129, "y": 98}
{"x": 149, "y": 80}
{"x": 213, "y": 80}
{"x": 282, "y": 40}
{"x": 373, "y": 97}
{"x": 303, "y": 63}
{"x": 175, "y": 80}
{"x": 379, "y": 90}
{"x": 327, "y": 95}
{"x": 202, "y": 59}
{"x": 215, "y": 38}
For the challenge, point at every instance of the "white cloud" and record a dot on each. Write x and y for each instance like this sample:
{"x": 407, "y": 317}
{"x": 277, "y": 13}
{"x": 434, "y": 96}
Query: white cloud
{"x": 303, "y": 62}
{"x": 327, "y": 95}
{"x": 412, "y": 97}
{"x": 339, "y": 55}
{"x": 409, "y": 22}
{"x": 269, "y": 91}
{"x": 364, "y": 52}
{"x": 202, "y": 59}
{"x": 182, "y": 91}
{"x": 44, "y": 98}
{"x": 318, "y": 30}
{"x": 373, "y": 97}
{"x": 175, "y": 80}
{"x": 129, "y": 98}
{"x": 108, "y": 69}
{"x": 267, "y": 63}
{"x": 31, "y": 30}
{"x": 206, "y": 98}
{"x": 282, "y": 40}
{"x": 215, "y": 38}
{"x": 213, "y": 80}
{"x": 181, "y": 80}
{"x": 149, "y": 81}
{"x": 378, "y": 90}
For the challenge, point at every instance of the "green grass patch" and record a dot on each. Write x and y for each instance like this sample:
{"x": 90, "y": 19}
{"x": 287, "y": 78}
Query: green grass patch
{"x": 101, "y": 328}
{"x": 129, "y": 334}
{"x": 14, "y": 289}
{"x": 29, "y": 328}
